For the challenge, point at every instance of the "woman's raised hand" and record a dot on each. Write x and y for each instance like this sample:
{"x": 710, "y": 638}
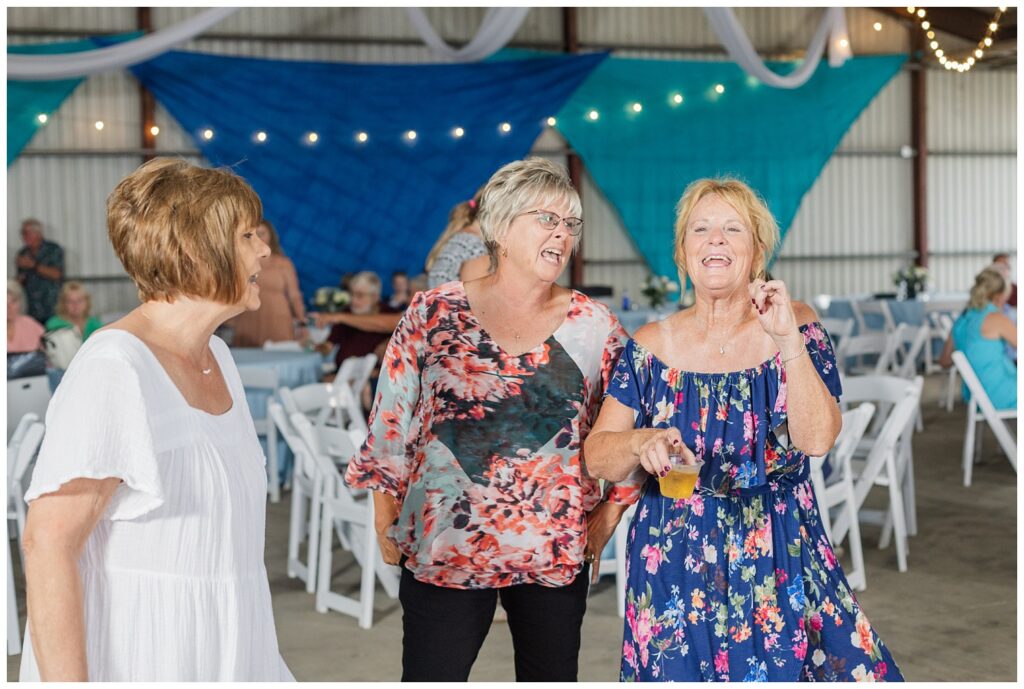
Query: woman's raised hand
{"x": 656, "y": 445}
{"x": 774, "y": 310}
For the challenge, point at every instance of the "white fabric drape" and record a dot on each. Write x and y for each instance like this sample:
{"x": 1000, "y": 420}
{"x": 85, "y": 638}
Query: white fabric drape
{"x": 81, "y": 64}
{"x": 832, "y": 29}
{"x": 496, "y": 30}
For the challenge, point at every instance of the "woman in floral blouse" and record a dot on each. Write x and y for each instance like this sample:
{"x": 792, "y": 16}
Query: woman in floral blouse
{"x": 487, "y": 391}
{"x": 738, "y": 581}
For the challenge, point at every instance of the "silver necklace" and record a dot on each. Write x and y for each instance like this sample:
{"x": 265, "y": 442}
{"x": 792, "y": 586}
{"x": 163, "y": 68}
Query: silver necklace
{"x": 732, "y": 330}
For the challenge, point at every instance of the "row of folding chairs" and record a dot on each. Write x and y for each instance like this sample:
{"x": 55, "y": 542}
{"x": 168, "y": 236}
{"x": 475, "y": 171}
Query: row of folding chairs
{"x": 323, "y": 506}
{"x": 22, "y": 448}
{"x": 343, "y": 394}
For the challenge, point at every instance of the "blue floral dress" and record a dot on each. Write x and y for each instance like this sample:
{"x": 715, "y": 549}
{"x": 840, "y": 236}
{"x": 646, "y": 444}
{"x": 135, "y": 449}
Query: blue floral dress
{"x": 738, "y": 582}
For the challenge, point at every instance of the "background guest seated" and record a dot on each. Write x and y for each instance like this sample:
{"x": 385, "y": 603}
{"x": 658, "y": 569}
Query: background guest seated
{"x": 24, "y": 334}
{"x": 74, "y": 307}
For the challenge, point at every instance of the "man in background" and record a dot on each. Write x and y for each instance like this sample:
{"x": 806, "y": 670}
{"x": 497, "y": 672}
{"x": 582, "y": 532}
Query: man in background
{"x": 40, "y": 265}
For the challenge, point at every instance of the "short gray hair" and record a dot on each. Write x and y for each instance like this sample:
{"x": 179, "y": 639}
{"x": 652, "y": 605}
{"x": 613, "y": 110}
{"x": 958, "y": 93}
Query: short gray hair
{"x": 14, "y": 289}
{"x": 515, "y": 188}
{"x": 33, "y": 223}
{"x": 368, "y": 279}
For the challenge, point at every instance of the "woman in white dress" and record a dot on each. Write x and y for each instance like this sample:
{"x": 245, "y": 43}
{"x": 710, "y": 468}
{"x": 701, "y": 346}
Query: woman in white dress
{"x": 144, "y": 540}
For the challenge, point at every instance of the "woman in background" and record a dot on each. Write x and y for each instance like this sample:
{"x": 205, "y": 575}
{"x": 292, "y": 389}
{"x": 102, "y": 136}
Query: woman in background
{"x": 73, "y": 311}
{"x": 459, "y": 253}
{"x": 281, "y": 315}
{"x": 24, "y": 334}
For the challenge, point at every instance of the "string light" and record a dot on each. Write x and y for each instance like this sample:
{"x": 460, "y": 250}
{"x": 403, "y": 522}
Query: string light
{"x": 878, "y": 26}
{"x": 207, "y": 134}
{"x": 154, "y": 130}
{"x": 719, "y": 89}
{"x": 552, "y": 121}
{"x": 458, "y": 132}
{"x": 42, "y": 117}
{"x": 593, "y": 115}
{"x": 312, "y": 137}
{"x": 843, "y": 43}
{"x": 261, "y": 136}
{"x": 99, "y": 125}
{"x": 677, "y": 99}
{"x": 505, "y": 127}
{"x": 362, "y": 137}
{"x": 411, "y": 135}
{"x": 967, "y": 62}
{"x": 637, "y": 107}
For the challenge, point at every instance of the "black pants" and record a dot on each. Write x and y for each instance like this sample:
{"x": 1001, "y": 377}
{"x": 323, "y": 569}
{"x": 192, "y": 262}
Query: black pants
{"x": 444, "y": 629}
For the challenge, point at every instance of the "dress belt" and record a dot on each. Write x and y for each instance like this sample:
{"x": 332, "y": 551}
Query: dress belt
{"x": 777, "y": 480}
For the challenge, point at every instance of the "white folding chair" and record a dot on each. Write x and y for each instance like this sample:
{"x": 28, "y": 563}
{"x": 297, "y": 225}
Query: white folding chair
{"x": 24, "y": 396}
{"x": 318, "y": 401}
{"x": 15, "y": 438}
{"x": 980, "y": 408}
{"x": 910, "y": 342}
{"x": 21, "y": 455}
{"x": 265, "y": 379}
{"x": 838, "y": 491}
{"x": 932, "y": 312}
{"x": 889, "y": 457}
{"x": 617, "y": 564}
{"x": 878, "y": 307}
{"x": 944, "y": 322}
{"x": 355, "y": 372}
{"x": 838, "y": 328}
{"x": 875, "y": 343}
{"x": 282, "y": 346}
{"x": 351, "y": 518}
{"x": 304, "y": 518}
{"x": 13, "y": 623}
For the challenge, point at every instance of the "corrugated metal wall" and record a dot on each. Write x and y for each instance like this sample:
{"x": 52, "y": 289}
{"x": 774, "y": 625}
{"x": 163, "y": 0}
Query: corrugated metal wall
{"x": 860, "y": 206}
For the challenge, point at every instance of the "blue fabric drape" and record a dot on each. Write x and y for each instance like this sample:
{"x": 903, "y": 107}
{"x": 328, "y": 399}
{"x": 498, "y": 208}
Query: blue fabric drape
{"x": 777, "y": 140}
{"x": 27, "y": 99}
{"x": 339, "y": 204}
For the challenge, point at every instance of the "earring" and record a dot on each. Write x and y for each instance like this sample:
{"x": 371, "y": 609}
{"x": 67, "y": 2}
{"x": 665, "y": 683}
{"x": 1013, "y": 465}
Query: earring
{"x": 504, "y": 252}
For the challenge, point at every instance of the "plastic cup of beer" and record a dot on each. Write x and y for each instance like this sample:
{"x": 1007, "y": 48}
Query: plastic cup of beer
{"x": 678, "y": 483}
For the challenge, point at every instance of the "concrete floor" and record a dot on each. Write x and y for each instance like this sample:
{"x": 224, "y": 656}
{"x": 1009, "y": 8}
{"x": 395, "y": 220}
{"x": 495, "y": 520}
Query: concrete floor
{"x": 951, "y": 617}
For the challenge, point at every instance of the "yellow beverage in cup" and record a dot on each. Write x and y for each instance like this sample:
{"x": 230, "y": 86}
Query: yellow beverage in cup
{"x": 678, "y": 483}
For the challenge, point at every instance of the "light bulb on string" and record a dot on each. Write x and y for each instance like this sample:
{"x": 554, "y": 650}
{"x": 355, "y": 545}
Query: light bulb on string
{"x": 154, "y": 130}
{"x": 987, "y": 41}
{"x": 207, "y": 134}
{"x": 993, "y": 27}
{"x": 362, "y": 137}
{"x": 42, "y": 117}
{"x": 593, "y": 115}
{"x": 552, "y": 121}
{"x": 677, "y": 98}
{"x": 636, "y": 107}
{"x": 934, "y": 44}
{"x": 911, "y": 9}
{"x": 970, "y": 61}
{"x": 505, "y": 127}
{"x": 719, "y": 89}
{"x": 312, "y": 137}
{"x": 979, "y": 52}
{"x": 939, "y": 53}
{"x": 458, "y": 132}
{"x": 261, "y": 136}
{"x": 843, "y": 43}
{"x": 921, "y": 13}
{"x": 926, "y": 25}
{"x": 931, "y": 34}
{"x": 411, "y": 135}
{"x": 877, "y": 26}
{"x": 99, "y": 125}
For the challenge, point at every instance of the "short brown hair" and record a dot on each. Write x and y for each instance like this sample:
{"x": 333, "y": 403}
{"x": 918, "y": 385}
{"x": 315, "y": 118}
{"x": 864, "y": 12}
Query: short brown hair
{"x": 173, "y": 225}
{"x": 751, "y": 207}
{"x": 62, "y": 298}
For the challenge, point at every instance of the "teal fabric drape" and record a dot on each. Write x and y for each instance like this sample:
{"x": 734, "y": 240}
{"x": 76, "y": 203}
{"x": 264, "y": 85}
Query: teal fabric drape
{"x": 27, "y": 99}
{"x": 777, "y": 140}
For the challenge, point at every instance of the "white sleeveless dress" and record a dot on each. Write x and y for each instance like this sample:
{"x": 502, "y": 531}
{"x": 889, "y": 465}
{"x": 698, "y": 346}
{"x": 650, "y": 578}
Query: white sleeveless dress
{"x": 174, "y": 582}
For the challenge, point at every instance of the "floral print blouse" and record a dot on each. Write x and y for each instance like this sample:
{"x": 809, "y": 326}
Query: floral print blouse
{"x": 484, "y": 450}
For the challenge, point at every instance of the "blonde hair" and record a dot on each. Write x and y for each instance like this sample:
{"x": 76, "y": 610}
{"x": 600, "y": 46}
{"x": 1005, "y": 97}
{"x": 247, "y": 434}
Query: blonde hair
{"x": 988, "y": 284}
{"x": 173, "y": 225}
{"x": 368, "y": 279}
{"x": 461, "y": 216}
{"x": 517, "y": 187}
{"x": 14, "y": 289}
{"x": 68, "y": 288}
{"x": 751, "y": 207}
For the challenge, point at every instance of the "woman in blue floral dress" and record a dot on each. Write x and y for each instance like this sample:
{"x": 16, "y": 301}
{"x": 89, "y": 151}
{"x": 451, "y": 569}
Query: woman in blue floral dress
{"x": 738, "y": 581}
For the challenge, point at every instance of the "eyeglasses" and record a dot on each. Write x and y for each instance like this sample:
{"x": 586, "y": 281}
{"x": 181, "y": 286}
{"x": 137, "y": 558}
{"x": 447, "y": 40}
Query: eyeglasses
{"x": 549, "y": 221}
